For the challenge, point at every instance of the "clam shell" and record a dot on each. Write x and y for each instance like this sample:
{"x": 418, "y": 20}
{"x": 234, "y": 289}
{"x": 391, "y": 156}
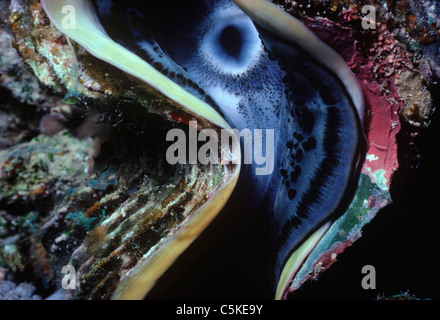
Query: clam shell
{"x": 133, "y": 220}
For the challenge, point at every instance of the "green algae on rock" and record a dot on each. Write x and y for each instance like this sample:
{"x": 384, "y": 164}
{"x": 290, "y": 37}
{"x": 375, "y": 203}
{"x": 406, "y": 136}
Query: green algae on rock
{"x": 115, "y": 226}
{"x": 29, "y": 171}
{"x": 135, "y": 214}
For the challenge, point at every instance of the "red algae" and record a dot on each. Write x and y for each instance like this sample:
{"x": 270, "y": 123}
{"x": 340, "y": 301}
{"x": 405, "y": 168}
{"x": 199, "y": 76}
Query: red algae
{"x": 382, "y": 102}
{"x": 324, "y": 262}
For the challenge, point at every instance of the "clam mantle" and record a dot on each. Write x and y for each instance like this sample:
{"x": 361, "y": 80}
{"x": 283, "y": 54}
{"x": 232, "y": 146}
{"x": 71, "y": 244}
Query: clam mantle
{"x": 138, "y": 213}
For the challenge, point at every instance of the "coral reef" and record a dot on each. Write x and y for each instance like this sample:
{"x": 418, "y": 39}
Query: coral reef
{"x": 74, "y": 163}
{"x": 23, "y": 291}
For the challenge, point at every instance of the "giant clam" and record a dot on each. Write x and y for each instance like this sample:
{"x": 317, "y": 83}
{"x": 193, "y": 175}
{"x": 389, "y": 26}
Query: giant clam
{"x": 246, "y": 65}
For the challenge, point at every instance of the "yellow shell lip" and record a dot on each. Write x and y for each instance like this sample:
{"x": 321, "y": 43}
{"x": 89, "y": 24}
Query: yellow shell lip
{"x": 88, "y": 33}
{"x": 279, "y": 22}
{"x": 297, "y": 258}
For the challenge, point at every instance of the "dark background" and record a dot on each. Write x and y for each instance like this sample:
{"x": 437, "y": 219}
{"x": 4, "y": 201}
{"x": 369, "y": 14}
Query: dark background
{"x": 402, "y": 243}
